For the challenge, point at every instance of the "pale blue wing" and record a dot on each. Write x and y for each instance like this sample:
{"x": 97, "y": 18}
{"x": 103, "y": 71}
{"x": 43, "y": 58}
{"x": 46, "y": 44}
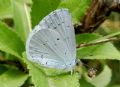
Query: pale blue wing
{"x": 47, "y": 48}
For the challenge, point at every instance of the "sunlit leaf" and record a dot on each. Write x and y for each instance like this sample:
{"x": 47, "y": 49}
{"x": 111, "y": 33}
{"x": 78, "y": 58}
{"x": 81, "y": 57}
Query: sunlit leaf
{"x": 76, "y": 7}
{"x": 12, "y": 78}
{"x": 5, "y": 9}
{"x": 38, "y": 77}
{"x": 10, "y": 42}
{"x": 64, "y": 81}
{"x": 21, "y": 19}
{"x": 101, "y": 51}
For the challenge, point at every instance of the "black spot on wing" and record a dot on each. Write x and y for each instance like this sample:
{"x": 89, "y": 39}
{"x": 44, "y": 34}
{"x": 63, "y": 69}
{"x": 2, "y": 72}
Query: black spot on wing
{"x": 59, "y": 24}
{"x": 55, "y": 27}
{"x": 58, "y": 38}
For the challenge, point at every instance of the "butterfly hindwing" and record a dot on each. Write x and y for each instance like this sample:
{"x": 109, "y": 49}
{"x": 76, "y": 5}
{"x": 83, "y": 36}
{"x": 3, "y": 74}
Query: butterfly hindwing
{"x": 60, "y": 21}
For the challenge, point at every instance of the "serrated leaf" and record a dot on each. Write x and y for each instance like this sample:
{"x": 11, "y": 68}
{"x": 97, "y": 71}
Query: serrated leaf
{"x": 76, "y": 7}
{"x": 21, "y": 18}
{"x": 103, "y": 79}
{"x": 41, "y": 8}
{"x": 5, "y": 9}
{"x": 101, "y": 51}
{"x": 12, "y": 78}
{"x": 40, "y": 79}
{"x": 10, "y": 42}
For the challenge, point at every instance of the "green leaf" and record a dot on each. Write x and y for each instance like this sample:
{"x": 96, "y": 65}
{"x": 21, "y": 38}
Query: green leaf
{"x": 86, "y": 38}
{"x": 64, "y": 81}
{"x": 5, "y": 9}
{"x": 41, "y": 8}
{"x": 10, "y": 42}
{"x": 76, "y": 7}
{"x": 101, "y": 51}
{"x": 12, "y": 78}
{"x": 40, "y": 79}
{"x": 115, "y": 86}
{"x": 106, "y": 37}
{"x": 84, "y": 83}
{"x": 103, "y": 79}
{"x": 21, "y": 19}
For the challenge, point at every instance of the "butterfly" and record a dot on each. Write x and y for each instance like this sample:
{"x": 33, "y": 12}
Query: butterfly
{"x": 52, "y": 42}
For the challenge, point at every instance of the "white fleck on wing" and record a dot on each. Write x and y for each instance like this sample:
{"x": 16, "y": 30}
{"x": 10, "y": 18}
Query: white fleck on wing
{"x": 47, "y": 48}
{"x": 60, "y": 21}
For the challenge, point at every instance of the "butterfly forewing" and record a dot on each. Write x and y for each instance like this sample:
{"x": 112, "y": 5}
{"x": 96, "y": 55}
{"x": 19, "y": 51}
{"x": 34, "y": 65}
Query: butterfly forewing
{"x": 60, "y": 21}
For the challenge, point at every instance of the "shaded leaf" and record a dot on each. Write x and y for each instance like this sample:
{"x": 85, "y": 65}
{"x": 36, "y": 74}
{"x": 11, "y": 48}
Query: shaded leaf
{"x": 3, "y": 69}
{"x": 115, "y": 86}
{"x": 41, "y": 8}
{"x": 84, "y": 83}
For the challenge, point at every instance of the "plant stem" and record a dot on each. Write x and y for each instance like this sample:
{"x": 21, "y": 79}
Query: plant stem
{"x": 96, "y": 43}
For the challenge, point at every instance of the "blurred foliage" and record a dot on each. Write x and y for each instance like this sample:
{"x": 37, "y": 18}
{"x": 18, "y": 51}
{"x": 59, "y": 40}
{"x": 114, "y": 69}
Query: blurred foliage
{"x": 17, "y": 17}
{"x": 76, "y": 7}
{"x": 5, "y": 9}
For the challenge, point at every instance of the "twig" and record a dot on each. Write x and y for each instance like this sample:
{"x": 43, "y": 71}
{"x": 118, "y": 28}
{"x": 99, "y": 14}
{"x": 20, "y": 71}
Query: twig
{"x": 96, "y": 43}
{"x": 96, "y": 15}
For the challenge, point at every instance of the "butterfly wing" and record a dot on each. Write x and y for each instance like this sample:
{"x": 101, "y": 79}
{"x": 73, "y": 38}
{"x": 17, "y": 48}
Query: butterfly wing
{"x": 60, "y": 21}
{"x": 47, "y": 48}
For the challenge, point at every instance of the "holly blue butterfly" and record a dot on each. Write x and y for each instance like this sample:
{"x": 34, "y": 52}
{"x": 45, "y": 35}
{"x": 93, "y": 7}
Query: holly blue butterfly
{"x": 52, "y": 41}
